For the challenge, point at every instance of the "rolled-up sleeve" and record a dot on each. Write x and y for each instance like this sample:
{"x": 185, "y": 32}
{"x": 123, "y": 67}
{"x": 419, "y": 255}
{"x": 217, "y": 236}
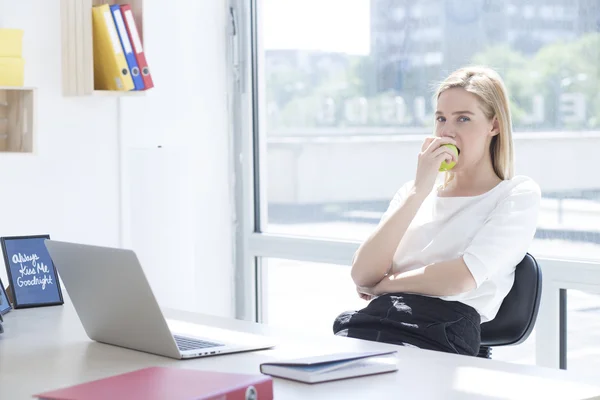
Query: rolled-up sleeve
{"x": 507, "y": 233}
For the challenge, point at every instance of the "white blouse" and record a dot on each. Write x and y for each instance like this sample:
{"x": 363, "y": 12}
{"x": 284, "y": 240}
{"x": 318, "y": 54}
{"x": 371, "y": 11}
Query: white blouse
{"x": 491, "y": 231}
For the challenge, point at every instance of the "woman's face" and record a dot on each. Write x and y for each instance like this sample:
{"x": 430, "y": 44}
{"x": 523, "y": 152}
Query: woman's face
{"x": 459, "y": 115}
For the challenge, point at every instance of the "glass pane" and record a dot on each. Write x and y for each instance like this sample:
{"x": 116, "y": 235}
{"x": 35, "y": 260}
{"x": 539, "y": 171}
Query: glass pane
{"x": 347, "y": 104}
{"x": 307, "y": 296}
{"x": 523, "y": 353}
{"x": 583, "y": 332}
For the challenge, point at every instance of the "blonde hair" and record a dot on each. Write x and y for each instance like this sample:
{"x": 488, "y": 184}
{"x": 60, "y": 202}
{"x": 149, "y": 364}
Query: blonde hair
{"x": 489, "y": 87}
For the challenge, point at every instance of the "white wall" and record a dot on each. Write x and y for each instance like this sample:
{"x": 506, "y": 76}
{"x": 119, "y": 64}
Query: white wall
{"x": 175, "y": 200}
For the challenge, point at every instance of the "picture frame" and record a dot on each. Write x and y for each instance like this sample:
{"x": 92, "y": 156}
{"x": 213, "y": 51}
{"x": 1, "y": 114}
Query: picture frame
{"x": 5, "y": 304}
{"x": 32, "y": 276}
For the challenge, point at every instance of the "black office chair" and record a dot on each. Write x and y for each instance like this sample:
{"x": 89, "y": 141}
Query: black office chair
{"x": 517, "y": 314}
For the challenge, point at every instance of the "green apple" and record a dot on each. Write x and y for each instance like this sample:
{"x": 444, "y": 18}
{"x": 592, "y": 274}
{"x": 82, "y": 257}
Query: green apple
{"x": 447, "y": 166}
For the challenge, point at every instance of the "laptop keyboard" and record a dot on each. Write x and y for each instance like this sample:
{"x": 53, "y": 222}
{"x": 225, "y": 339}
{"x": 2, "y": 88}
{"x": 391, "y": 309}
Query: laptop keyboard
{"x": 184, "y": 343}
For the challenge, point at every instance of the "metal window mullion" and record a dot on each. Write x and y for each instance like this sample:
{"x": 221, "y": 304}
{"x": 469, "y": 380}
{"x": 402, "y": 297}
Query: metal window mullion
{"x": 241, "y": 104}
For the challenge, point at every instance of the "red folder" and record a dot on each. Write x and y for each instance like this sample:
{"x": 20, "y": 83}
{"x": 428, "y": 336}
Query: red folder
{"x": 160, "y": 383}
{"x": 134, "y": 38}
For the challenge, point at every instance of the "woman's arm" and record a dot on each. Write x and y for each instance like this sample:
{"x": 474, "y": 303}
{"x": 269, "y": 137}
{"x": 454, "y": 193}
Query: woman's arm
{"x": 500, "y": 244}
{"x": 373, "y": 260}
{"x": 446, "y": 278}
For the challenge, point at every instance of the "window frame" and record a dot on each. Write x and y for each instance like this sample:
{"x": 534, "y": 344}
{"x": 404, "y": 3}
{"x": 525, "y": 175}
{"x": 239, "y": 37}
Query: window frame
{"x": 252, "y": 243}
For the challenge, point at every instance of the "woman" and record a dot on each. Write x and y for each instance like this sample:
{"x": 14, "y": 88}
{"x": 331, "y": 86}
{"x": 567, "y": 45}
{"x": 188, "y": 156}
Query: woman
{"x": 443, "y": 257}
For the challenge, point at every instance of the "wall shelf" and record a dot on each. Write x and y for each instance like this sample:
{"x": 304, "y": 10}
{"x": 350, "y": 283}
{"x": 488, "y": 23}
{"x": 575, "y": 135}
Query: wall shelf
{"x": 17, "y": 120}
{"x": 77, "y": 45}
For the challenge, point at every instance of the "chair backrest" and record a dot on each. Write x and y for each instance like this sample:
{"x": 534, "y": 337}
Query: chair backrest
{"x": 518, "y": 312}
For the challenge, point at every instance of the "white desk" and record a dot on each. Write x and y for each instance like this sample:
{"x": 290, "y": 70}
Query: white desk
{"x": 46, "y": 348}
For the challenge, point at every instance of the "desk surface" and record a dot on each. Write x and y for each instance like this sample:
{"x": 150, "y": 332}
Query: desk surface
{"x": 47, "y": 348}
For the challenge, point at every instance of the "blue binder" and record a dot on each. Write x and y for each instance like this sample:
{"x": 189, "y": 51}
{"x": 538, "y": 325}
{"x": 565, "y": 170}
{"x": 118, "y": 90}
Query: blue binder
{"x": 134, "y": 69}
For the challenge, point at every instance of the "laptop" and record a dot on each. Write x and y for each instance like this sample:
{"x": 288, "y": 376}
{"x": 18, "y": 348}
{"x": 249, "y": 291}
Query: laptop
{"x": 116, "y": 305}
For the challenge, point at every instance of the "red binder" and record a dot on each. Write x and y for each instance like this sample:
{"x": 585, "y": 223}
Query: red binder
{"x": 135, "y": 40}
{"x": 160, "y": 383}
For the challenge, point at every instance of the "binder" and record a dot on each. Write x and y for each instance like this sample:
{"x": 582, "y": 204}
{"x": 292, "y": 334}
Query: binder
{"x": 12, "y": 71}
{"x": 11, "y": 43}
{"x": 134, "y": 36}
{"x": 134, "y": 70}
{"x": 160, "y": 383}
{"x": 111, "y": 71}
{"x": 12, "y": 64}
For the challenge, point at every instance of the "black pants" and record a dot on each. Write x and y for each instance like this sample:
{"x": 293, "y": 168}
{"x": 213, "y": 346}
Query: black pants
{"x": 415, "y": 320}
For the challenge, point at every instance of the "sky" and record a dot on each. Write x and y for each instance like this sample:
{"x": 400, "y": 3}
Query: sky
{"x": 328, "y": 25}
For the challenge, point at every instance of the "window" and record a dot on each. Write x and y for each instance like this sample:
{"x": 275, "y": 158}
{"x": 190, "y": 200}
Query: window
{"x": 529, "y": 12}
{"x": 307, "y": 296}
{"x": 346, "y": 118}
{"x": 583, "y": 332}
{"x": 345, "y": 102}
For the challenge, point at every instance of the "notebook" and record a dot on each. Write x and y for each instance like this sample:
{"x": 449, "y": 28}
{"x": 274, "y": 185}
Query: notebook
{"x": 331, "y": 367}
{"x": 160, "y": 383}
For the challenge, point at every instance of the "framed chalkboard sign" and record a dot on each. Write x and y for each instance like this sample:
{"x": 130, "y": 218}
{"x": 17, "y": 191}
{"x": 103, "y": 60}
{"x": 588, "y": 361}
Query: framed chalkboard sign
{"x": 4, "y": 302}
{"x": 31, "y": 273}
